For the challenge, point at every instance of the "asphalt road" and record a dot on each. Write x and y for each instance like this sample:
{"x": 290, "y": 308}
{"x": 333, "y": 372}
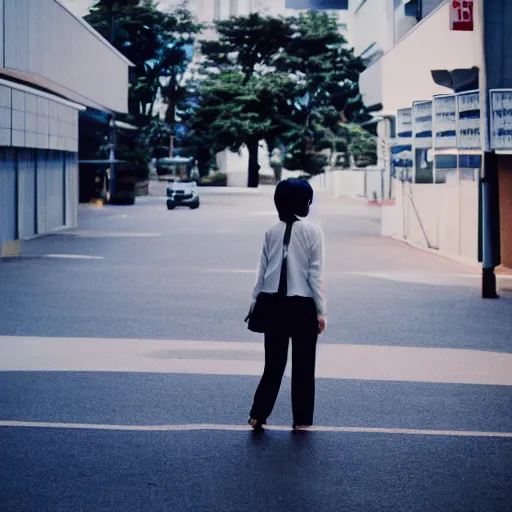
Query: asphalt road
{"x": 126, "y": 372}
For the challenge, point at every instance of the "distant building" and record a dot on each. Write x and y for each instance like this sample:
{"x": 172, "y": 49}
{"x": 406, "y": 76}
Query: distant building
{"x": 318, "y": 4}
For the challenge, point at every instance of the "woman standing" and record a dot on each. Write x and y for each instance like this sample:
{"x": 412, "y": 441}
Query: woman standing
{"x": 291, "y": 270}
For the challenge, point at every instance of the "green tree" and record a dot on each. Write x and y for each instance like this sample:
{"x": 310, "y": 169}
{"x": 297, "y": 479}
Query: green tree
{"x": 242, "y": 100}
{"x": 157, "y": 42}
{"x": 326, "y": 73}
{"x": 311, "y": 76}
{"x": 234, "y": 111}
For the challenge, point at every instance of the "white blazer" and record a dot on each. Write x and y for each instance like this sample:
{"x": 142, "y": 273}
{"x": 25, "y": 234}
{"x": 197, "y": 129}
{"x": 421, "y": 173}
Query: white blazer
{"x": 305, "y": 263}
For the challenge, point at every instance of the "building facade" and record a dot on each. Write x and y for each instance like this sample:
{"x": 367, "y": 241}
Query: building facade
{"x": 52, "y": 66}
{"x": 426, "y": 79}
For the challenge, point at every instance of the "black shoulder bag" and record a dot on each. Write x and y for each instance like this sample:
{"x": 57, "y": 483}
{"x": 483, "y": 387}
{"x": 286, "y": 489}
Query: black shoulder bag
{"x": 262, "y": 316}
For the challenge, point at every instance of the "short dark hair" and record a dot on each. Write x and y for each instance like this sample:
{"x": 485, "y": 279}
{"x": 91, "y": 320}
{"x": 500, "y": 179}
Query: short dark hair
{"x": 293, "y": 198}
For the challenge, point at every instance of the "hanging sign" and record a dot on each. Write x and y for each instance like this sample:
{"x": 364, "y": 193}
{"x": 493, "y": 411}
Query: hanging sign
{"x": 461, "y": 15}
{"x": 501, "y": 119}
{"x": 422, "y": 124}
{"x": 468, "y": 122}
{"x": 445, "y": 121}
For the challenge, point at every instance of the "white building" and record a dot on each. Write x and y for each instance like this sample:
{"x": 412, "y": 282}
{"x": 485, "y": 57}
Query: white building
{"x": 52, "y": 65}
{"x": 406, "y": 43}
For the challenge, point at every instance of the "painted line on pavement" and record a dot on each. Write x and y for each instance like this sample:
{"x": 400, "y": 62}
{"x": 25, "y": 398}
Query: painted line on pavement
{"x": 73, "y": 257}
{"x": 228, "y": 271}
{"x": 108, "y": 234}
{"x": 243, "y": 428}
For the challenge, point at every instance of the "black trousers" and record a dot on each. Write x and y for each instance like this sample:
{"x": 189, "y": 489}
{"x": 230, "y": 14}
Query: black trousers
{"x": 296, "y": 318}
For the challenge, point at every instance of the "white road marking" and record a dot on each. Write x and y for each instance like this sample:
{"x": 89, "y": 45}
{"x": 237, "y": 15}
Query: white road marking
{"x": 229, "y": 271}
{"x": 244, "y": 428}
{"x": 108, "y": 234}
{"x": 121, "y": 216}
{"x": 73, "y": 256}
{"x": 334, "y": 361}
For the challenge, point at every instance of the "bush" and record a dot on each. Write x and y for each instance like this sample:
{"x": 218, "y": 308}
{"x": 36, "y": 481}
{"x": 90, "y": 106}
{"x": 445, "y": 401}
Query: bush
{"x": 311, "y": 163}
{"x": 216, "y": 179}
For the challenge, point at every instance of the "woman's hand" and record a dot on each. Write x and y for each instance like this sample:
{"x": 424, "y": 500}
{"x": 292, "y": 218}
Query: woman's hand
{"x": 251, "y": 308}
{"x": 322, "y": 322}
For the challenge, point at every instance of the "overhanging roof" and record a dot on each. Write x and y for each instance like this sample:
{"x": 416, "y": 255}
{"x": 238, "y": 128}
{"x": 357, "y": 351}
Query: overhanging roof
{"x": 97, "y": 34}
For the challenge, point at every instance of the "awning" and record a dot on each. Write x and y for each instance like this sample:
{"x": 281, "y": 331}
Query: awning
{"x": 103, "y": 118}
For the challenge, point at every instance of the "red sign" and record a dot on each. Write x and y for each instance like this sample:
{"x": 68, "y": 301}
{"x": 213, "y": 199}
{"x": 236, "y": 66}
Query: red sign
{"x": 461, "y": 15}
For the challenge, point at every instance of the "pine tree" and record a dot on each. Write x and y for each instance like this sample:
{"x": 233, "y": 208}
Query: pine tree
{"x": 244, "y": 53}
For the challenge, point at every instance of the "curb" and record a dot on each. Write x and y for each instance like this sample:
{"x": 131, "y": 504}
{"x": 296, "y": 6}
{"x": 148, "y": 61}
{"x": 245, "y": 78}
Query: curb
{"x": 500, "y": 271}
{"x": 436, "y": 252}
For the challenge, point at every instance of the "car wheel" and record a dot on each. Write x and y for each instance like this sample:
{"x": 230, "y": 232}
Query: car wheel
{"x": 194, "y": 206}
{"x": 171, "y": 207}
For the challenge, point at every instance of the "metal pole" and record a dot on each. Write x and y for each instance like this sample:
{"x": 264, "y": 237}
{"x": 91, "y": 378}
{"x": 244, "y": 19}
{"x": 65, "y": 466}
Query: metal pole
{"x": 171, "y": 147}
{"x": 112, "y": 157}
{"x": 489, "y": 159}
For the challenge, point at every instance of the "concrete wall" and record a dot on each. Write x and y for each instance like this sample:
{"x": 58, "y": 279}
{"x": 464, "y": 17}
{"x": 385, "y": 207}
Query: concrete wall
{"x": 373, "y": 23}
{"x": 235, "y": 165}
{"x": 505, "y": 184}
{"x": 44, "y": 44}
{"x": 7, "y": 196}
{"x": 436, "y": 216}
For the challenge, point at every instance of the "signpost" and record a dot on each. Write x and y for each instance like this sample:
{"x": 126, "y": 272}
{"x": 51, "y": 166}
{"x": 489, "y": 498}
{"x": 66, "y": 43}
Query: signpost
{"x": 468, "y": 122}
{"x": 461, "y": 15}
{"x": 445, "y": 121}
{"x": 501, "y": 120}
{"x": 404, "y": 123}
{"x": 401, "y": 152}
{"x": 422, "y": 123}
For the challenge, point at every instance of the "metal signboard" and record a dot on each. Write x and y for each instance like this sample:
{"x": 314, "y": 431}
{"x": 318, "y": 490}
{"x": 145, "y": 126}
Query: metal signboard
{"x": 501, "y": 119}
{"x": 445, "y": 121}
{"x": 422, "y": 124}
{"x": 461, "y": 15}
{"x": 468, "y": 120}
{"x": 404, "y": 122}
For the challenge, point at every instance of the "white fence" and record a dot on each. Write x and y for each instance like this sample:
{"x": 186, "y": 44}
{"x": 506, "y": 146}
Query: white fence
{"x": 367, "y": 183}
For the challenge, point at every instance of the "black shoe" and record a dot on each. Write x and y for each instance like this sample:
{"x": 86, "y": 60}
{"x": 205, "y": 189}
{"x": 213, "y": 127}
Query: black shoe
{"x": 256, "y": 425}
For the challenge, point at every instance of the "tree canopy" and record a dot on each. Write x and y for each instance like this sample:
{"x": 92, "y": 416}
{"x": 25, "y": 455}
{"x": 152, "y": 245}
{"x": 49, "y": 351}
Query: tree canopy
{"x": 292, "y": 82}
{"x": 159, "y": 43}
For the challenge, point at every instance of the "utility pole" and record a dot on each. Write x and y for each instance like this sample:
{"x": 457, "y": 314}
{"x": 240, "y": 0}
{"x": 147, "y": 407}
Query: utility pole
{"x": 488, "y": 179}
{"x": 171, "y": 147}
{"x": 112, "y": 119}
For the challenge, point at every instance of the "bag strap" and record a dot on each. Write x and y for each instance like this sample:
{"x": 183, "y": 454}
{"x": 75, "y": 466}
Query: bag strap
{"x": 283, "y": 278}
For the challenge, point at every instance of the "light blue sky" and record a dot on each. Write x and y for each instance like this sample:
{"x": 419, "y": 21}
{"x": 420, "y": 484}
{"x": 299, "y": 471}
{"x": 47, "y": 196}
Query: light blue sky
{"x": 80, "y": 7}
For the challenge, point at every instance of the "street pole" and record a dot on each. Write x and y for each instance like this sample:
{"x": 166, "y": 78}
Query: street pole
{"x": 112, "y": 157}
{"x": 171, "y": 147}
{"x": 489, "y": 168}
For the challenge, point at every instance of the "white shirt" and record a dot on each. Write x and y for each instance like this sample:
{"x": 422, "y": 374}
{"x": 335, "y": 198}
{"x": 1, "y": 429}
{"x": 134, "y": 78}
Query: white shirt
{"x": 305, "y": 263}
